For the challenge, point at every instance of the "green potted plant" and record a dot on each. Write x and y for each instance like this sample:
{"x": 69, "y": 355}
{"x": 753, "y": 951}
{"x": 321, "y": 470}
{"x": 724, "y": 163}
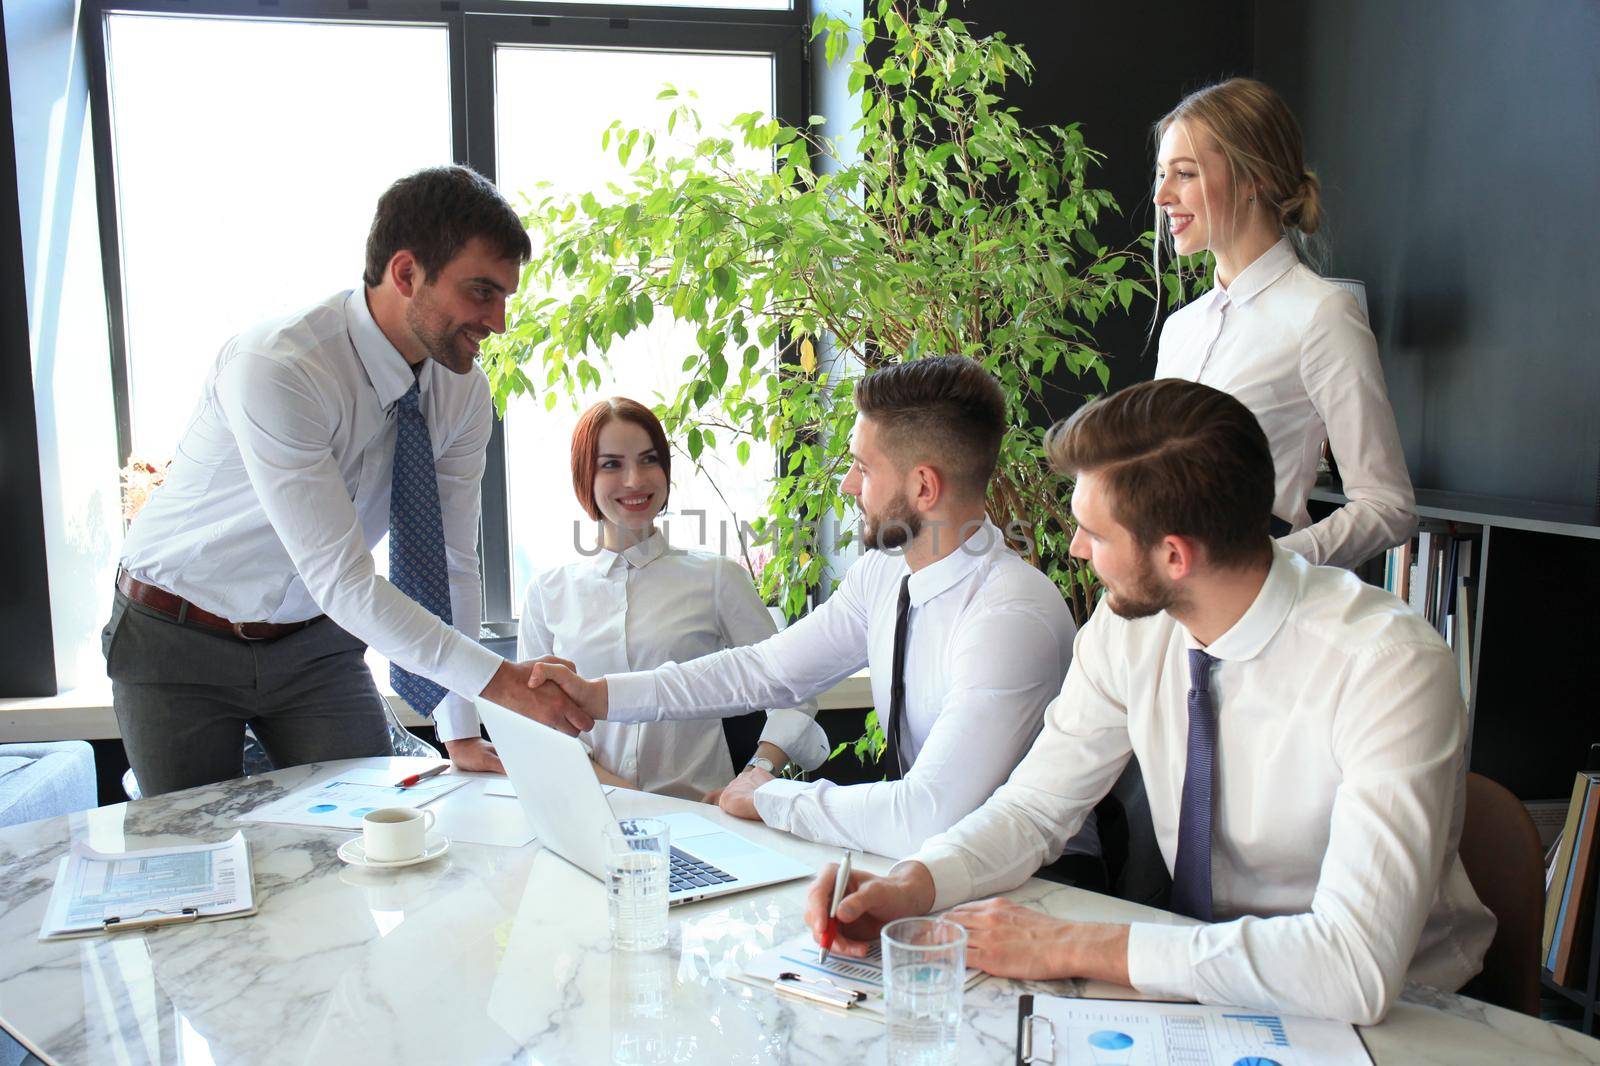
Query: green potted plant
{"x": 951, "y": 228}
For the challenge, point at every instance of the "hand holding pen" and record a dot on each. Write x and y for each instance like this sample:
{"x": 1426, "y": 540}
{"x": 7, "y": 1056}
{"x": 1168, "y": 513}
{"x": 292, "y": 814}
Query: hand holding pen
{"x": 840, "y": 881}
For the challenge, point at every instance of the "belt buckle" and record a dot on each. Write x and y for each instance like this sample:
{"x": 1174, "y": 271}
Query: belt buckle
{"x": 238, "y": 631}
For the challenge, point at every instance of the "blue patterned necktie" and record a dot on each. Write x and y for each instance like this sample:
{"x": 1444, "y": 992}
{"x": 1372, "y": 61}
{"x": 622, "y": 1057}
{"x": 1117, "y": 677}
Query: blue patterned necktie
{"x": 1191, "y": 873}
{"x": 416, "y": 538}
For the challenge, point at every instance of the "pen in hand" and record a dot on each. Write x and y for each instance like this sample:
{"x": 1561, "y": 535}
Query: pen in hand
{"x": 840, "y": 882}
{"x": 407, "y": 782}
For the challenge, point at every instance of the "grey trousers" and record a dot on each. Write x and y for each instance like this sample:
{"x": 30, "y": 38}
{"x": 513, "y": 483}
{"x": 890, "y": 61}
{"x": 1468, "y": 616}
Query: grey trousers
{"x": 183, "y": 694}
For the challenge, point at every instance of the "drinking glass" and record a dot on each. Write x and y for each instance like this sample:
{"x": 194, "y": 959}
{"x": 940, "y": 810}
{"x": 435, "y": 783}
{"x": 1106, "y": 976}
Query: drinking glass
{"x": 924, "y": 973}
{"x": 638, "y": 852}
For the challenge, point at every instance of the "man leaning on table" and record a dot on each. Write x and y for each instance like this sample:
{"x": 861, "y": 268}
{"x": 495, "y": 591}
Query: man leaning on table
{"x": 966, "y": 641}
{"x": 1300, "y": 733}
{"x": 247, "y": 591}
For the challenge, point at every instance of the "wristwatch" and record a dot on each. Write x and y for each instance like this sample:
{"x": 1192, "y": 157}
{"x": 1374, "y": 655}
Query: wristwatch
{"x": 764, "y": 763}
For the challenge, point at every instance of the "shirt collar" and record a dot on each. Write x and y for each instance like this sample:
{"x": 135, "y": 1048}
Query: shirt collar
{"x": 1258, "y": 625}
{"x": 386, "y": 368}
{"x": 937, "y": 578}
{"x": 1271, "y": 265}
{"x": 637, "y": 556}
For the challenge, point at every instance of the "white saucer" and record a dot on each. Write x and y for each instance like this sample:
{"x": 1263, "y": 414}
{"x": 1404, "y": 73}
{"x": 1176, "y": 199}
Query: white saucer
{"x": 354, "y": 852}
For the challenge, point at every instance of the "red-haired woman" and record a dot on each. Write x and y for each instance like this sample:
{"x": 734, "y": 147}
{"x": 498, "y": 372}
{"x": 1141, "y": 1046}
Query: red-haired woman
{"x": 638, "y": 603}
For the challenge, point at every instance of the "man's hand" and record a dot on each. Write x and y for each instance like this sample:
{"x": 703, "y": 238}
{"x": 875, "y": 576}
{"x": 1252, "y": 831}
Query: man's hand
{"x": 1010, "y": 940}
{"x": 513, "y": 687}
{"x": 552, "y": 674}
{"x": 738, "y": 797}
{"x": 474, "y": 754}
{"x": 870, "y": 903}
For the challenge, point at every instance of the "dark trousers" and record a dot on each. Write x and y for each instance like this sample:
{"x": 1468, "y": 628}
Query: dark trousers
{"x": 183, "y": 694}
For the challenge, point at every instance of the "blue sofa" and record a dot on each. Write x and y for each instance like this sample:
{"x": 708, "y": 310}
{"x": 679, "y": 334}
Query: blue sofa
{"x": 42, "y": 781}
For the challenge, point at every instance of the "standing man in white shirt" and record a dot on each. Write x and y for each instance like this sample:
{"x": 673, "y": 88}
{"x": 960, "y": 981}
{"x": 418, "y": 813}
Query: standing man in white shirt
{"x": 1301, "y": 735}
{"x": 247, "y": 592}
{"x": 965, "y": 640}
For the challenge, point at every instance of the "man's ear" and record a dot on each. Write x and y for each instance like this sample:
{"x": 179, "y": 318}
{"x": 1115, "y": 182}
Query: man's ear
{"x": 405, "y": 273}
{"x": 926, "y": 488}
{"x": 1177, "y": 557}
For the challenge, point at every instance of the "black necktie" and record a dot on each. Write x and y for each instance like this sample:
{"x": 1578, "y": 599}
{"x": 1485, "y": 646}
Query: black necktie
{"x": 893, "y": 771}
{"x": 1191, "y": 872}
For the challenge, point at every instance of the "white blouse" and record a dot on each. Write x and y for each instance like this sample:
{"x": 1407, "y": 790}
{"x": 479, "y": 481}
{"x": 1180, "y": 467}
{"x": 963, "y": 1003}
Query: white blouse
{"x": 637, "y": 609}
{"x": 1296, "y": 350}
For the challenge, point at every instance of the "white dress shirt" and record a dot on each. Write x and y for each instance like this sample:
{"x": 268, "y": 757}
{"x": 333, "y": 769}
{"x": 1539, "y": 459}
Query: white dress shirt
{"x": 1296, "y": 350}
{"x": 280, "y": 489}
{"x": 1339, "y": 794}
{"x": 642, "y": 607}
{"x": 990, "y": 638}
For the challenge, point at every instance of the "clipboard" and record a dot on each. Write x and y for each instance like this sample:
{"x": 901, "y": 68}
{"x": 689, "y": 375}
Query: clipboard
{"x": 99, "y": 894}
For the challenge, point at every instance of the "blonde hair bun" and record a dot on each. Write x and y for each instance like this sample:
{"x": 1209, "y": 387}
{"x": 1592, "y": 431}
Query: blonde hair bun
{"x": 1303, "y": 210}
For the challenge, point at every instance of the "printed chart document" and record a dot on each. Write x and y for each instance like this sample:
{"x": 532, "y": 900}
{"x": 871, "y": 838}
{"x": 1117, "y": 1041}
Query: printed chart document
{"x": 341, "y": 801}
{"x": 1052, "y": 1029}
{"x": 800, "y": 956}
{"x": 138, "y": 888}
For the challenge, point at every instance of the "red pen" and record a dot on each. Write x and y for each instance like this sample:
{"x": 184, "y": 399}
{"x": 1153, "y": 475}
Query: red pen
{"x": 840, "y": 882}
{"x": 407, "y": 782}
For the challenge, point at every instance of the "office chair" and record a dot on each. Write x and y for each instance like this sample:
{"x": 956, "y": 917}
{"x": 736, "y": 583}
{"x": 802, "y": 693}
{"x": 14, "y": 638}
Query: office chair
{"x": 1505, "y": 863}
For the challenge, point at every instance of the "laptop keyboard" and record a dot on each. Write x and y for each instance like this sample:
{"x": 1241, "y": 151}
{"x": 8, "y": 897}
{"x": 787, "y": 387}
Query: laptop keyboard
{"x": 688, "y": 873}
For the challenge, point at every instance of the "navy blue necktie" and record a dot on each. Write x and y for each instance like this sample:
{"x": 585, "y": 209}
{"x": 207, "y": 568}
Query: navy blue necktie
{"x": 1191, "y": 873}
{"x": 416, "y": 538}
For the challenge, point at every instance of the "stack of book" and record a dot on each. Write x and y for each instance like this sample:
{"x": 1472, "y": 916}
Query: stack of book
{"x": 1434, "y": 573}
{"x": 1570, "y": 882}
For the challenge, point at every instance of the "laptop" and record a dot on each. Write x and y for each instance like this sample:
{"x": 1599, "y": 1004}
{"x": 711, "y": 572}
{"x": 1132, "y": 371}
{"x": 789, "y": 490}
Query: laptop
{"x": 568, "y": 810}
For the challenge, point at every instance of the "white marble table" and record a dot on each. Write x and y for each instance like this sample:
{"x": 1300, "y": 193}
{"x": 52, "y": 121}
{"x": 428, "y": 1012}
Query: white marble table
{"x": 496, "y": 955}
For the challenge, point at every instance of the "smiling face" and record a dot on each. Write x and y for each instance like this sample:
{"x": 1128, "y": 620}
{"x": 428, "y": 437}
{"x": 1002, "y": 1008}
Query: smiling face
{"x": 630, "y": 484}
{"x": 1134, "y": 586}
{"x": 452, "y": 313}
{"x": 1195, "y": 194}
{"x": 887, "y": 518}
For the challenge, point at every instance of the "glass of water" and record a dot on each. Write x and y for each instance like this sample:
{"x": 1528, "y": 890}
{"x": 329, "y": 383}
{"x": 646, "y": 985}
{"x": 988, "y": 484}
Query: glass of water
{"x": 638, "y": 852}
{"x": 924, "y": 973}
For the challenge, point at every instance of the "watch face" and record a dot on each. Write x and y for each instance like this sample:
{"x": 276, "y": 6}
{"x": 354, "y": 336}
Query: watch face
{"x": 764, "y": 763}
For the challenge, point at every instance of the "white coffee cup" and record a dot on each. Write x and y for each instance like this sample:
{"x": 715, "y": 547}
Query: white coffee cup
{"x": 394, "y": 834}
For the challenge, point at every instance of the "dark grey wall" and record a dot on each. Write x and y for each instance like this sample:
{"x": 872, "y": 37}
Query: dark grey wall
{"x": 1458, "y": 143}
{"x": 27, "y": 655}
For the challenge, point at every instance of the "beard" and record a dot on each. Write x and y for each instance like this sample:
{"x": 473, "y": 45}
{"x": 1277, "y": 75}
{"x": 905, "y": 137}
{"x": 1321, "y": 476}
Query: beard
{"x": 1144, "y": 594}
{"x": 893, "y": 527}
{"x": 440, "y": 338}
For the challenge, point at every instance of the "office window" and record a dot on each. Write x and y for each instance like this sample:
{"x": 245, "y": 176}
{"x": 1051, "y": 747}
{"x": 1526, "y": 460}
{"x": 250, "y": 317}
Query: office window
{"x": 540, "y": 140}
{"x": 249, "y": 155}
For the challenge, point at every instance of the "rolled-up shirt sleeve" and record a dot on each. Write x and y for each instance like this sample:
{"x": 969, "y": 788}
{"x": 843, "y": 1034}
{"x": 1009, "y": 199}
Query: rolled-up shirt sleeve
{"x": 1398, "y": 737}
{"x": 1083, "y": 747}
{"x": 284, "y": 428}
{"x": 1002, "y": 675}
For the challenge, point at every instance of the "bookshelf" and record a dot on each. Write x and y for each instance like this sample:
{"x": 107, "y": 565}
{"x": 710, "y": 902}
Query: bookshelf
{"x": 1532, "y": 703}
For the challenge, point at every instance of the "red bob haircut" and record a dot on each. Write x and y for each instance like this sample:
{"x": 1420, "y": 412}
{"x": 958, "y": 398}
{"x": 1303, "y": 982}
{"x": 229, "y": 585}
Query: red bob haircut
{"x": 586, "y": 445}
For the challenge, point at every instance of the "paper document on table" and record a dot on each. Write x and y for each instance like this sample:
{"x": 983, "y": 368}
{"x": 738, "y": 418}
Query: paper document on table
{"x": 1058, "y": 1030}
{"x": 801, "y": 957}
{"x": 97, "y": 892}
{"x": 341, "y": 801}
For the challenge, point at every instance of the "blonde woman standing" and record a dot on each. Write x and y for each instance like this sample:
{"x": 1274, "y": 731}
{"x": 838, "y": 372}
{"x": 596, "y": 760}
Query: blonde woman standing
{"x": 1291, "y": 346}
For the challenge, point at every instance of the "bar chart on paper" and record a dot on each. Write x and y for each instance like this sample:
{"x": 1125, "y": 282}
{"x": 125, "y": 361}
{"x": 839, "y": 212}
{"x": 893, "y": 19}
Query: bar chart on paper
{"x": 1108, "y": 1033}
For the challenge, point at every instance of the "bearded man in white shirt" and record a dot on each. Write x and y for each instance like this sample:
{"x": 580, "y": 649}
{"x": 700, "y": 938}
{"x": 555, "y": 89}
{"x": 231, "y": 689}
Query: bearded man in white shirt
{"x": 247, "y": 592}
{"x": 984, "y": 637}
{"x": 1300, "y": 732}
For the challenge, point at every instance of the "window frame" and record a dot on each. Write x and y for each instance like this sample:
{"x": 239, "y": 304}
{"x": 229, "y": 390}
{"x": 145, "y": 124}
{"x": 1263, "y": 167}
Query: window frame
{"x": 475, "y": 29}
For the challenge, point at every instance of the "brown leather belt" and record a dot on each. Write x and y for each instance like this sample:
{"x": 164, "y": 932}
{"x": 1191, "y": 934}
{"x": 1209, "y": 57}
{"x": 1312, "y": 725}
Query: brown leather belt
{"x": 181, "y": 610}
